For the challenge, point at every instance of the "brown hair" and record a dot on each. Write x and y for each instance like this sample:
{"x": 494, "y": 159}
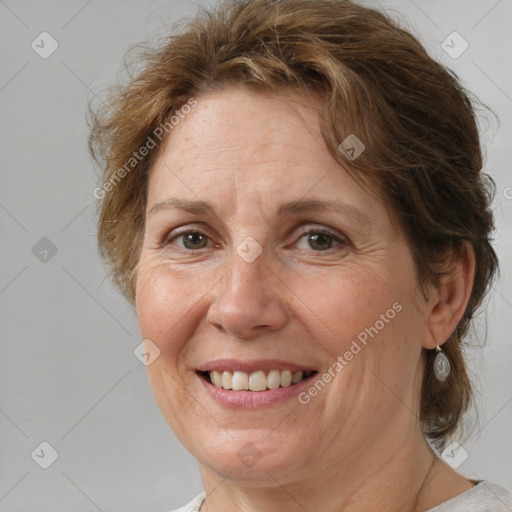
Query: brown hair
{"x": 374, "y": 80}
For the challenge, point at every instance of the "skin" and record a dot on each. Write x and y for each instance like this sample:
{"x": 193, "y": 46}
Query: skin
{"x": 357, "y": 445}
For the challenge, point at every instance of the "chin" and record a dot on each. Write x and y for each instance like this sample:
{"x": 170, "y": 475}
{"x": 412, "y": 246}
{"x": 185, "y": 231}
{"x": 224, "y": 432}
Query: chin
{"x": 254, "y": 457}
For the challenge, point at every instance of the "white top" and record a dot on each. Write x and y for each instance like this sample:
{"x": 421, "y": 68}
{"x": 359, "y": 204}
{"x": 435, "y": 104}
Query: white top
{"x": 483, "y": 497}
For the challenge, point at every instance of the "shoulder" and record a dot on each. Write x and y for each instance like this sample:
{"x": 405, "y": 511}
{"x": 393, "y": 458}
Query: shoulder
{"x": 193, "y": 506}
{"x": 483, "y": 497}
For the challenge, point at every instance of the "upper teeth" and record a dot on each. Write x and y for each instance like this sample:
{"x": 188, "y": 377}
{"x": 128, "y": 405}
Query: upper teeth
{"x": 256, "y": 381}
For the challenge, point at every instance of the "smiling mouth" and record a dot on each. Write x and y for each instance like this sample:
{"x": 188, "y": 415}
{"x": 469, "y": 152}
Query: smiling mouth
{"x": 255, "y": 381}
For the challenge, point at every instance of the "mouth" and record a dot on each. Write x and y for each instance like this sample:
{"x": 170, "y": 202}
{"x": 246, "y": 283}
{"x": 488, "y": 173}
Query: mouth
{"x": 257, "y": 381}
{"x": 253, "y": 384}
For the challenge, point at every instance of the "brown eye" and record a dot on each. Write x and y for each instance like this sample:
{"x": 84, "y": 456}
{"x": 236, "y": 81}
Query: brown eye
{"x": 191, "y": 240}
{"x": 320, "y": 241}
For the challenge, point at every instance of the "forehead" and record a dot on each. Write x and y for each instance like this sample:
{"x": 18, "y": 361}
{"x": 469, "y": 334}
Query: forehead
{"x": 246, "y": 124}
{"x": 247, "y": 148}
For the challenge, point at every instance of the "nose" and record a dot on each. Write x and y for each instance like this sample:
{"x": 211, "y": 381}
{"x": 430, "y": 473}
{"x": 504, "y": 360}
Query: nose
{"x": 248, "y": 301}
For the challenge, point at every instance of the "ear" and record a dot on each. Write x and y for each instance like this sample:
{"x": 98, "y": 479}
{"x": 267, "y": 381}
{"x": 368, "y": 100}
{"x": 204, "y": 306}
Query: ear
{"x": 447, "y": 302}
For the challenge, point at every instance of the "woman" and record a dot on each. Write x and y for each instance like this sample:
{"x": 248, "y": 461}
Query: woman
{"x": 293, "y": 200}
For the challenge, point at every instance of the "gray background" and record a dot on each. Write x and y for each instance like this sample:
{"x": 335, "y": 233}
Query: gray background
{"x": 68, "y": 375}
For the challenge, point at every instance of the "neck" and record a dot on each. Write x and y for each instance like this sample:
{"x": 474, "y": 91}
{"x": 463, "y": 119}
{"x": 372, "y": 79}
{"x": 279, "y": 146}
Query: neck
{"x": 380, "y": 477}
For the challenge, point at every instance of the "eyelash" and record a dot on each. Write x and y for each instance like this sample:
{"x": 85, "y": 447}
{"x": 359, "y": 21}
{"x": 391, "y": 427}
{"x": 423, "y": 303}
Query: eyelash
{"x": 340, "y": 241}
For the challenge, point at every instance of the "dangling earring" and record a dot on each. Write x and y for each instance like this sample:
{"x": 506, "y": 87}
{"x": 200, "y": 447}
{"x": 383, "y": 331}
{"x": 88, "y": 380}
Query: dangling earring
{"x": 441, "y": 365}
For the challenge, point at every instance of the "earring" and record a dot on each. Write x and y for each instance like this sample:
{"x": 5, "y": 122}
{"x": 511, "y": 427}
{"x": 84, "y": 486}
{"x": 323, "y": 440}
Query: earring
{"x": 441, "y": 365}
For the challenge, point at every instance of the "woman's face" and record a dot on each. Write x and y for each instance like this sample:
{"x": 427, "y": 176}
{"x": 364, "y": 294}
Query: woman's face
{"x": 243, "y": 270}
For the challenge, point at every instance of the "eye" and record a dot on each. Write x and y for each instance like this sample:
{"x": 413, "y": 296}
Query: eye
{"x": 319, "y": 240}
{"x": 190, "y": 240}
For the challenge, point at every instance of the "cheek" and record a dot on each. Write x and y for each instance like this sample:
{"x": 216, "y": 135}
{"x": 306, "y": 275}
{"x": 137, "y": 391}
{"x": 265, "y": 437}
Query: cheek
{"x": 365, "y": 322}
{"x": 166, "y": 307}
{"x": 165, "y": 313}
{"x": 340, "y": 306}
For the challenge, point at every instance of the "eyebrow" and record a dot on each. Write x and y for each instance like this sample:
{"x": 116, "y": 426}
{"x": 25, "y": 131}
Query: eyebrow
{"x": 289, "y": 208}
